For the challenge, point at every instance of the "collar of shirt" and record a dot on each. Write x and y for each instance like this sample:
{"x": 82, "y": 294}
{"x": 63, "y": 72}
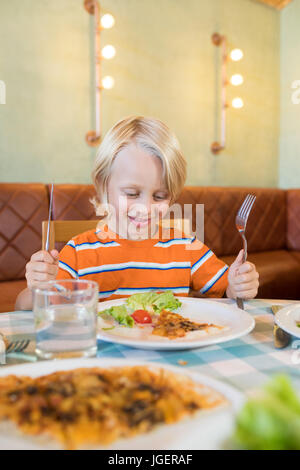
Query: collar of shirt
{"x": 103, "y": 232}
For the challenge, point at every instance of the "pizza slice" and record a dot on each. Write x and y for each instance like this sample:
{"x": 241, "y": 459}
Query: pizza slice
{"x": 173, "y": 325}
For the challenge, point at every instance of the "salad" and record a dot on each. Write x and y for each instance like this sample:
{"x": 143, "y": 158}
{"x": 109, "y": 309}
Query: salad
{"x": 139, "y": 308}
{"x": 271, "y": 420}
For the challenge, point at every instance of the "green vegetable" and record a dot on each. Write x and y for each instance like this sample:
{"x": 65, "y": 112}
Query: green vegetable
{"x": 153, "y": 302}
{"x": 298, "y": 324}
{"x": 150, "y": 301}
{"x": 141, "y": 301}
{"x": 270, "y": 421}
{"x": 120, "y": 314}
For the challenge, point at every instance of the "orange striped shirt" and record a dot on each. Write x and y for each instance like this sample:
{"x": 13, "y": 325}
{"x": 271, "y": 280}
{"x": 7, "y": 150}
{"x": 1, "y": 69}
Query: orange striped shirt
{"x": 123, "y": 267}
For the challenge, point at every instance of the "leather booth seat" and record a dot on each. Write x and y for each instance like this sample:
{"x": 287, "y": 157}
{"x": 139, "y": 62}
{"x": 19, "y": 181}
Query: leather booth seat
{"x": 273, "y": 230}
{"x": 279, "y": 273}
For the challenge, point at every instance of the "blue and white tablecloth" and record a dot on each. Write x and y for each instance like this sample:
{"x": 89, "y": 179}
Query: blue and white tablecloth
{"x": 246, "y": 363}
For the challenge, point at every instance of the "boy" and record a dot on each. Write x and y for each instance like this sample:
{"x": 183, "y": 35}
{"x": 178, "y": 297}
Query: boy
{"x": 138, "y": 174}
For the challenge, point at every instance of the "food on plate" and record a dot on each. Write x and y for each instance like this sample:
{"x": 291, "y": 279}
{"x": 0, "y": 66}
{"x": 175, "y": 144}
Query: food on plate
{"x": 153, "y": 301}
{"x": 119, "y": 314}
{"x": 153, "y": 310}
{"x": 173, "y": 325}
{"x": 96, "y": 406}
{"x": 271, "y": 419}
{"x": 142, "y": 316}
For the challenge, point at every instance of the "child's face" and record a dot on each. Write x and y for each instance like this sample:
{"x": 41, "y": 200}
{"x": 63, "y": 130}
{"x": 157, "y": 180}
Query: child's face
{"x": 137, "y": 192}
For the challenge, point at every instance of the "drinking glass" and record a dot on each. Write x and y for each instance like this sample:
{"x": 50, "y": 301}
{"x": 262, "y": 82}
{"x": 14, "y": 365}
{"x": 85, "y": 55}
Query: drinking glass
{"x": 65, "y": 317}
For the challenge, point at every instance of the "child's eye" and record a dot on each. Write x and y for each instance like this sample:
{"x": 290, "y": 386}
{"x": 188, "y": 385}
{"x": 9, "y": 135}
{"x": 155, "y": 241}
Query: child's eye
{"x": 132, "y": 194}
{"x": 160, "y": 198}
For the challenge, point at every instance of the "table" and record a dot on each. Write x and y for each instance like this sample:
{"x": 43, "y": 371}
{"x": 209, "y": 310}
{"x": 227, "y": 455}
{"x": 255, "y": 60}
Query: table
{"x": 246, "y": 363}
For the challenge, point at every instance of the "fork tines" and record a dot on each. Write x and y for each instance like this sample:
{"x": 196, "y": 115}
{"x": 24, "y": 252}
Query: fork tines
{"x": 17, "y": 346}
{"x": 246, "y": 206}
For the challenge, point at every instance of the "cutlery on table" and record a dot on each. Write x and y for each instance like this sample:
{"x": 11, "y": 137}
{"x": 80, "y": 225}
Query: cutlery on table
{"x": 241, "y": 222}
{"x": 281, "y": 337}
{"x": 57, "y": 286}
{"x": 17, "y": 346}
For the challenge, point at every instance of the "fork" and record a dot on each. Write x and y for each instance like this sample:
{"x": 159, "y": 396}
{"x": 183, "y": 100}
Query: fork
{"x": 17, "y": 346}
{"x": 241, "y": 222}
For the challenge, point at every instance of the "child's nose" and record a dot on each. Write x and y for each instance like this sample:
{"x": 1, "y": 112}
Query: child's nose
{"x": 142, "y": 208}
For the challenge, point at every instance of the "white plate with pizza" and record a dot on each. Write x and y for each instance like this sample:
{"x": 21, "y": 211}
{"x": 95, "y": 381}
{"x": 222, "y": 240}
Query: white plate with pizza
{"x": 113, "y": 404}
{"x": 173, "y": 323}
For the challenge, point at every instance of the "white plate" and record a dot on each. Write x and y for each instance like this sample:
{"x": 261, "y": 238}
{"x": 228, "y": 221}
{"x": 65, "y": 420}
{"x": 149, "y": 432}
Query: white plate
{"x": 287, "y": 319}
{"x": 237, "y": 323}
{"x": 206, "y": 430}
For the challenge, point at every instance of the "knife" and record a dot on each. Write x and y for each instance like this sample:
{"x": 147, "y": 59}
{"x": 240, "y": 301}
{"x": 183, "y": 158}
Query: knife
{"x": 58, "y": 287}
{"x": 49, "y": 219}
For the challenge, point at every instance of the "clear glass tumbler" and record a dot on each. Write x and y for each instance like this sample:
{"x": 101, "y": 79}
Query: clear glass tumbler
{"x": 65, "y": 316}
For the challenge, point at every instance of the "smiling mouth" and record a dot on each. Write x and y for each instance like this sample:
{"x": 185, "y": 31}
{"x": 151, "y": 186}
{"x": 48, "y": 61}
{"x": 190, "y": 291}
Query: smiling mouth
{"x": 140, "y": 222}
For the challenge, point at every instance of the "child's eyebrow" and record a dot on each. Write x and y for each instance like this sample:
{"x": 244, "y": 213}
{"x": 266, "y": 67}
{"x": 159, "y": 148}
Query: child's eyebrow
{"x": 136, "y": 186}
{"x": 130, "y": 185}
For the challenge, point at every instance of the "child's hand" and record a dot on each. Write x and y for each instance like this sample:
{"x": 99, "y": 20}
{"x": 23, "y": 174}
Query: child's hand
{"x": 43, "y": 266}
{"x": 242, "y": 279}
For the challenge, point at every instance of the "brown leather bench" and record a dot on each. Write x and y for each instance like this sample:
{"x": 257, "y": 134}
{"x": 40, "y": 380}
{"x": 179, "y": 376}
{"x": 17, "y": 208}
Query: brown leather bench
{"x": 273, "y": 230}
{"x": 273, "y": 233}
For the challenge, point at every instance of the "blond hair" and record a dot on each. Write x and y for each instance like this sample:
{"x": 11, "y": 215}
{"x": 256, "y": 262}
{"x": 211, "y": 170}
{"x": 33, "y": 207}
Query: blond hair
{"x": 153, "y": 136}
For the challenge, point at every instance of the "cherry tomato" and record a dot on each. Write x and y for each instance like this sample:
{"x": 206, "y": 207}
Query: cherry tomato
{"x": 142, "y": 316}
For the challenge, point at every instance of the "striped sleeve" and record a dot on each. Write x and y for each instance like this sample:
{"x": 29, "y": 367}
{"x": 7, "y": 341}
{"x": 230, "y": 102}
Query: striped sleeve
{"x": 68, "y": 262}
{"x": 209, "y": 274}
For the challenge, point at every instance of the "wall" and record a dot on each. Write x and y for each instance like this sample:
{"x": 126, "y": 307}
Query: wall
{"x": 45, "y": 64}
{"x": 290, "y": 112}
{"x": 165, "y": 67}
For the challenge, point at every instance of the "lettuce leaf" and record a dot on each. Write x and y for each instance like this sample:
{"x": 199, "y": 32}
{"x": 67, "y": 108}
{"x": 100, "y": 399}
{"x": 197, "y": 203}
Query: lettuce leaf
{"x": 153, "y": 301}
{"x": 150, "y": 301}
{"x": 141, "y": 301}
{"x": 270, "y": 421}
{"x": 120, "y": 314}
{"x": 166, "y": 301}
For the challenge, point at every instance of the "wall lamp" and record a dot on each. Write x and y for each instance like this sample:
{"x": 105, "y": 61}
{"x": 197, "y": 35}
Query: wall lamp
{"x": 105, "y": 21}
{"x": 235, "y": 80}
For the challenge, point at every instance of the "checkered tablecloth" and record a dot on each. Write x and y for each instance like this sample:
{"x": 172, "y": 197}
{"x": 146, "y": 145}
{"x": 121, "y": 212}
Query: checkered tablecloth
{"x": 246, "y": 363}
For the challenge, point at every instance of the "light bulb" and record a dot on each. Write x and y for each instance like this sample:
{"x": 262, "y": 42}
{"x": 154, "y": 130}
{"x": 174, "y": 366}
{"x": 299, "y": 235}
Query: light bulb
{"x": 236, "y": 79}
{"x": 237, "y": 103}
{"x": 236, "y": 55}
{"x": 108, "y": 52}
{"x": 108, "y": 82}
{"x": 107, "y": 21}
